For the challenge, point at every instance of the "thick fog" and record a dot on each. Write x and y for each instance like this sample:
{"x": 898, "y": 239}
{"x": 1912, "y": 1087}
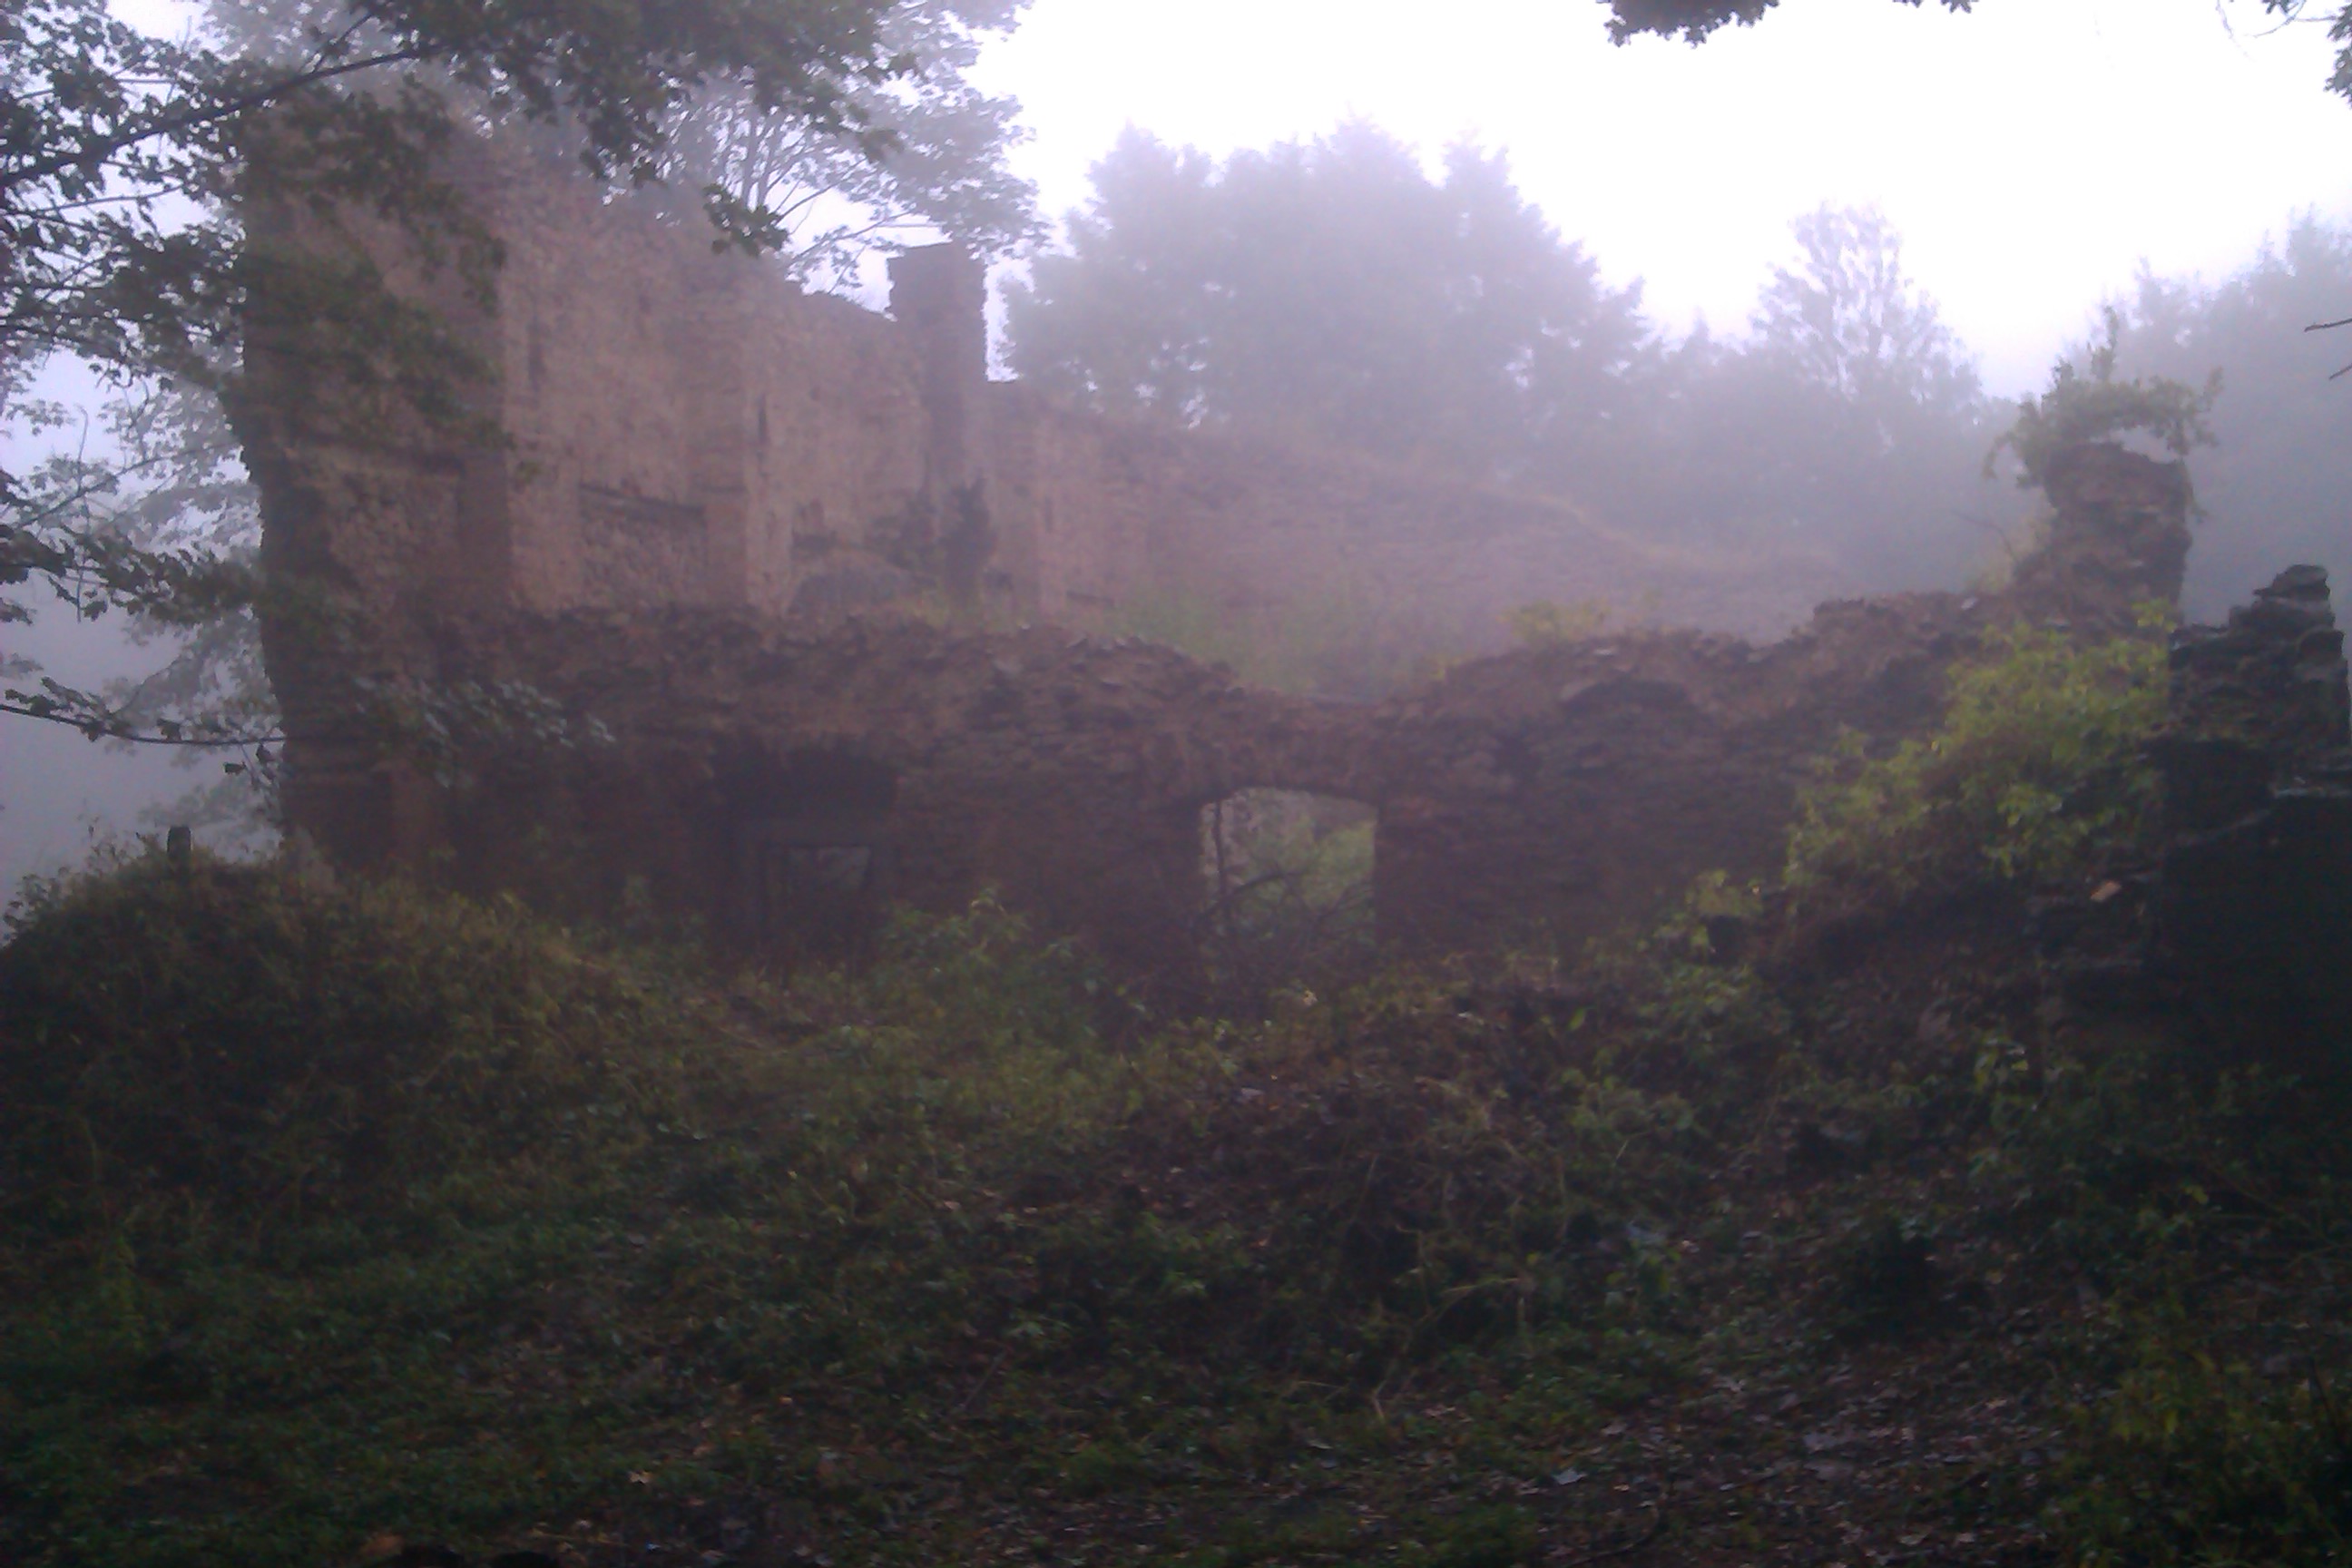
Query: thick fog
{"x": 2032, "y": 155}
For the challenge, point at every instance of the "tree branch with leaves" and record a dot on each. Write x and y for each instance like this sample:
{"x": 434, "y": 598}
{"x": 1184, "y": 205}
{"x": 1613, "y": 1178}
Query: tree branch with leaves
{"x": 128, "y": 162}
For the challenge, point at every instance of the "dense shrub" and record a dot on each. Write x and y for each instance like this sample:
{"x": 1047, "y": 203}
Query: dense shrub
{"x": 337, "y": 1216}
{"x": 2035, "y": 776}
{"x": 236, "y": 1035}
{"x": 2200, "y": 1462}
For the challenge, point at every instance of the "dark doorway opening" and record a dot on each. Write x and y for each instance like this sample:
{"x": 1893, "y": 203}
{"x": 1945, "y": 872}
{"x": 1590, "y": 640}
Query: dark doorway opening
{"x": 812, "y": 853}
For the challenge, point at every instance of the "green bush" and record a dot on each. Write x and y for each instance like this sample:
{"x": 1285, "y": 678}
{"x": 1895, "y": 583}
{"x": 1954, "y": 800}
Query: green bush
{"x": 2198, "y": 1462}
{"x": 236, "y": 1035}
{"x": 2035, "y": 775}
{"x": 2086, "y": 403}
{"x": 1365, "y": 1280}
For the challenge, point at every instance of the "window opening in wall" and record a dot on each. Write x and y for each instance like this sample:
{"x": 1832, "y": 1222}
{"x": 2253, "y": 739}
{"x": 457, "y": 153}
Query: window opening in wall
{"x": 812, "y": 849}
{"x": 1287, "y": 888}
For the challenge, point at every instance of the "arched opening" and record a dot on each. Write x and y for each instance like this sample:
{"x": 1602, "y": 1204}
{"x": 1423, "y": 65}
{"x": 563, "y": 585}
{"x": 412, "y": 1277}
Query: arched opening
{"x": 1286, "y": 881}
{"x": 810, "y": 843}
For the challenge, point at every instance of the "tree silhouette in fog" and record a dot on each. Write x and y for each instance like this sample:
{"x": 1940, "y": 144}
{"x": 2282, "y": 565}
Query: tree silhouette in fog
{"x": 1334, "y": 291}
{"x": 1849, "y": 423}
{"x": 1858, "y": 413}
{"x": 1848, "y": 322}
{"x": 2278, "y": 485}
{"x": 931, "y": 155}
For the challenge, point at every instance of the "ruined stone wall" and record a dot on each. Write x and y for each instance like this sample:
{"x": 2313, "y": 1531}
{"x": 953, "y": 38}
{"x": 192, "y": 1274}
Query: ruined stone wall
{"x": 2255, "y": 905}
{"x": 685, "y": 428}
{"x": 688, "y": 427}
{"x": 674, "y": 427}
{"x": 617, "y": 484}
{"x": 651, "y": 425}
{"x": 1550, "y": 792}
{"x": 684, "y": 493}
{"x": 1111, "y": 509}
{"x": 1543, "y": 793}
{"x": 2118, "y": 540}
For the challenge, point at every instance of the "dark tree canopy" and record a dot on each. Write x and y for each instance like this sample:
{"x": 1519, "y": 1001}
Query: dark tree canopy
{"x": 110, "y": 133}
{"x": 1696, "y": 20}
{"x": 1333, "y": 290}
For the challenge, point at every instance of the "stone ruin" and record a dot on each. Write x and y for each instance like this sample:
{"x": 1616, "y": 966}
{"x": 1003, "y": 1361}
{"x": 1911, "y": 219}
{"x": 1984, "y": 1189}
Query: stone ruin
{"x": 715, "y": 497}
{"x": 2254, "y": 913}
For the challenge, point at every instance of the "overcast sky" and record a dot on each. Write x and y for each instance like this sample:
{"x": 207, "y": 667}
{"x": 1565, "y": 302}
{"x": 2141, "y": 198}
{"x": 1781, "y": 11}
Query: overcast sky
{"x": 2032, "y": 152}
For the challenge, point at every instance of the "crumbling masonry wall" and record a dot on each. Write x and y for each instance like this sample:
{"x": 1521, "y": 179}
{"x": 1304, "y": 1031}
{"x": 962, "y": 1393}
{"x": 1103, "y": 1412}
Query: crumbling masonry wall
{"x": 1097, "y": 510}
{"x": 2254, "y": 912}
{"x": 688, "y": 503}
{"x": 1548, "y": 792}
{"x": 678, "y": 426}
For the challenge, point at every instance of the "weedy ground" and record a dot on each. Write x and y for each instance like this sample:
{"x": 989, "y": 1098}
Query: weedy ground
{"x": 340, "y": 1222}
{"x": 340, "y": 1225}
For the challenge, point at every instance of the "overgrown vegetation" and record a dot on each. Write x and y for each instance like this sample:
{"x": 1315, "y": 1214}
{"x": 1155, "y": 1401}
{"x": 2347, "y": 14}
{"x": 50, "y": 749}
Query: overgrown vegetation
{"x": 337, "y": 1220}
{"x": 2035, "y": 774}
{"x": 1289, "y": 879}
{"x": 230, "y": 1041}
{"x": 2088, "y": 403}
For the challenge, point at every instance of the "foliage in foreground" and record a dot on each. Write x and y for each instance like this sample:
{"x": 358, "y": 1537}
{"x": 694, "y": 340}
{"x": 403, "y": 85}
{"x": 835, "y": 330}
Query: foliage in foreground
{"x": 226, "y": 1036}
{"x": 555, "y": 1232}
{"x": 2035, "y": 774}
{"x": 334, "y": 1215}
{"x": 933, "y": 1200}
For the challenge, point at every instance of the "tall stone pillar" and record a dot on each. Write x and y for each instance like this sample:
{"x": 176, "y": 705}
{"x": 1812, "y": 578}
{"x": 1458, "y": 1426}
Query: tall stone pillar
{"x": 938, "y": 295}
{"x": 2118, "y": 538}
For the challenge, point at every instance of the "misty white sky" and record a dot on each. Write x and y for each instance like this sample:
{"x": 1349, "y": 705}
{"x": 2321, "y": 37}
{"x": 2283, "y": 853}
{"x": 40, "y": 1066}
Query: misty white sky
{"x": 2032, "y": 152}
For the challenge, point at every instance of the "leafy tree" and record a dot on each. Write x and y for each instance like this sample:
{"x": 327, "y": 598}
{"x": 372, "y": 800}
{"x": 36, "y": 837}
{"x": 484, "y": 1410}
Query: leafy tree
{"x": 1851, "y": 324}
{"x": 162, "y": 527}
{"x": 933, "y": 151}
{"x": 119, "y": 148}
{"x": 125, "y": 158}
{"x": 1332, "y": 290}
{"x": 1849, "y": 423}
